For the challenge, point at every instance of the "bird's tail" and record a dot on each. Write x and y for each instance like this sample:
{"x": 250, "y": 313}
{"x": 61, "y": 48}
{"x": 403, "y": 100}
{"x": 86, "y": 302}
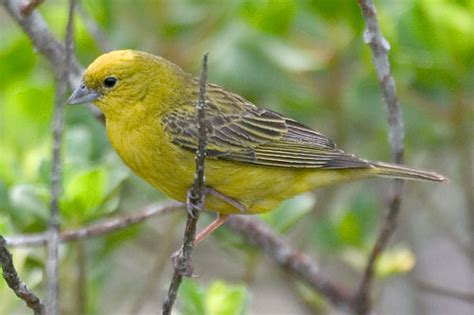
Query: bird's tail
{"x": 404, "y": 172}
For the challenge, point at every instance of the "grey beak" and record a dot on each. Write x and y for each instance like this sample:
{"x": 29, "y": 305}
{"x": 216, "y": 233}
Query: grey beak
{"x": 82, "y": 95}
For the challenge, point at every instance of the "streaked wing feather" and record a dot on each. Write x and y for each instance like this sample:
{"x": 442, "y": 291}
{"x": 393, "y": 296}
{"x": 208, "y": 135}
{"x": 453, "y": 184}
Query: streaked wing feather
{"x": 239, "y": 131}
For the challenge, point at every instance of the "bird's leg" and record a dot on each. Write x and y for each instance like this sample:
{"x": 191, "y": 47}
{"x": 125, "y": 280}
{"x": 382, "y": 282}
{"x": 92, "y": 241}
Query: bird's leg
{"x": 188, "y": 272}
{"x": 221, "y": 219}
{"x": 211, "y": 191}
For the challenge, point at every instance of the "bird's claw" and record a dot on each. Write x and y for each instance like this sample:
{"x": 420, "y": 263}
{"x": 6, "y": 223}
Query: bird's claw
{"x": 191, "y": 206}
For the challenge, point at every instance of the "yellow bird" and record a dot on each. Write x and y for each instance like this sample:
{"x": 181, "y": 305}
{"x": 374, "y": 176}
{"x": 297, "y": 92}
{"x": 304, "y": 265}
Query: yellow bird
{"x": 255, "y": 157}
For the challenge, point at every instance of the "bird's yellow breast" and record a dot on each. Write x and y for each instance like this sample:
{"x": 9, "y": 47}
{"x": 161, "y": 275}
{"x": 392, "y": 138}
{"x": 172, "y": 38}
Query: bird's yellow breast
{"x": 146, "y": 148}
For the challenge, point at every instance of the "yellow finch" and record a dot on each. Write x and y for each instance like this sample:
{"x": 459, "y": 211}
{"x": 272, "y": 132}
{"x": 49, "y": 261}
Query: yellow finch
{"x": 255, "y": 157}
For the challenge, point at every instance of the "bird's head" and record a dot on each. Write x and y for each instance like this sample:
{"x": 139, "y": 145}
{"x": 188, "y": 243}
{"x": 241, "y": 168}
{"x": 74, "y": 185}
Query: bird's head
{"x": 123, "y": 81}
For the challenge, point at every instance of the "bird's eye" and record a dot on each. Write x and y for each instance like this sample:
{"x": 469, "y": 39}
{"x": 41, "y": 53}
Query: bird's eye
{"x": 110, "y": 82}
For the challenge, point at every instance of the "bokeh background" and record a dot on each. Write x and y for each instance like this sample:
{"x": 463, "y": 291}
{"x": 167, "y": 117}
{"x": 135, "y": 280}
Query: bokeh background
{"x": 305, "y": 59}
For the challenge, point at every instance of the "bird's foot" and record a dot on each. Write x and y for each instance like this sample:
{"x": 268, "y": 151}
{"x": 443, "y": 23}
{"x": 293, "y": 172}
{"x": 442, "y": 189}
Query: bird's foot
{"x": 191, "y": 206}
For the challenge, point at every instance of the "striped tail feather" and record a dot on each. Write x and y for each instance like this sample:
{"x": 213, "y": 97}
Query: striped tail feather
{"x": 404, "y": 172}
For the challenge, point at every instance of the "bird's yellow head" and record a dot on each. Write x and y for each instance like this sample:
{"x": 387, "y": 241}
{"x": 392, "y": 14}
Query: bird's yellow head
{"x": 120, "y": 81}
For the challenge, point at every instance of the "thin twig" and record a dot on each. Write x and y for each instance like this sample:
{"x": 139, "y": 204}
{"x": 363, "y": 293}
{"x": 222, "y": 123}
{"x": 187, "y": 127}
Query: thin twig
{"x": 195, "y": 200}
{"x": 439, "y": 290}
{"x": 94, "y": 30}
{"x": 96, "y": 229}
{"x": 257, "y": 233}
{"x": 380, "y": 48}
{"x": 45, "y": 43}
{"x": 19, "y": 287}
{"x": 58, "y": 128}
{"x": 30, "y": 6}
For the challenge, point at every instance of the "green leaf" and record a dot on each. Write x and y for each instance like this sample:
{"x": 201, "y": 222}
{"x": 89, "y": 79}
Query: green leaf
{"x": 78, "y": 145}
{"x": 84, "y": 192}
{"x": 289, "y": 212}
{"x": 192, "y": 298}
{"x": 391, "y": 262}
{"x": 325, "y": 235}
{"x": 225, "y": 299}
{"x": 29, "y": 202}
{"x": 273, "y": 17}
{"x": 348, "y": 229}
{"x": 16, "y": 59}
{"x": 395, "y": 261}
{"x": 27, "y": 105}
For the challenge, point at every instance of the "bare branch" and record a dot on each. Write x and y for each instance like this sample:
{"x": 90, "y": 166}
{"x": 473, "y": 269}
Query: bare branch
{"x": 195, "y": 200}
{"x": 96, "y": 229}
{"x": 297, "y": 263}
{"x": 30, "y": 6}
{"x": 52, "y": 269}
{"x": 19, "y": 287}
{"x": 94, "y": 29}
{"x": 435, "y": 289}
{"x": 380, "y": 48}
{"x": 46, "y": 44}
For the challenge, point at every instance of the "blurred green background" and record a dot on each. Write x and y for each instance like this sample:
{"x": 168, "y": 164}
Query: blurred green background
{"x": 305, "y": 59}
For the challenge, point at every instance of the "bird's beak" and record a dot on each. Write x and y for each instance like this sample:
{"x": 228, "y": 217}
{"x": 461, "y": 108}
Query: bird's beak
{"x": 82, "y": 94}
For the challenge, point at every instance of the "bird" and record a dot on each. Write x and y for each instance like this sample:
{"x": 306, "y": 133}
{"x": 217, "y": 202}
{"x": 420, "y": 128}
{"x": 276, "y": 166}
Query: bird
{"x": 255, "y": 157}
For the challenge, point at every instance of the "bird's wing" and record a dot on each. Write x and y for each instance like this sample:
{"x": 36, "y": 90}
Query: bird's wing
{"x": 239, "y": 131}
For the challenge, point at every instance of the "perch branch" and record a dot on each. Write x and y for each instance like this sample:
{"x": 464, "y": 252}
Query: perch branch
{"x": 96, "y": 229}
{"x": 11, "y": 277}
{"x": 380, "y": 48}
{"x": 195, "y": 200}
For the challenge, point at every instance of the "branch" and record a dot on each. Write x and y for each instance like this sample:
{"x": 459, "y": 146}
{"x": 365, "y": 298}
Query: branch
{"x": 46, "y": 44}
{"x": 195, "y": 200}
{"x": 300, "y": 265}
{"x": 435, "y": 289}
{"x": 52, "y": 268}
{"x": 11, "y": 277}
{"x": 96, "y": 229}
{"x": 94, "y": 30}
{"x": 380, "y": 48}
{"x": 30, "y": 6}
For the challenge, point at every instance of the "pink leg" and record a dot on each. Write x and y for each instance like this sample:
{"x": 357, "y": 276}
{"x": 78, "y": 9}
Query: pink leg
{"x": 221, "y": 219}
